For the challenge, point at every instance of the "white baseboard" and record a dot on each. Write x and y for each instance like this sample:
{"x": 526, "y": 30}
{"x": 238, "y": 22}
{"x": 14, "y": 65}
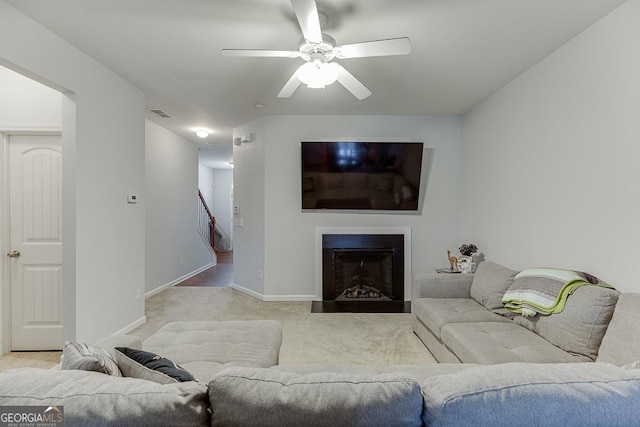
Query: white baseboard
{"x": 290, "y": 298}
{"x": 178, "y": 280}
{"x": 273, "y": 297}
{"x": 131, "y": 326}
{"x": 248, "y": 291}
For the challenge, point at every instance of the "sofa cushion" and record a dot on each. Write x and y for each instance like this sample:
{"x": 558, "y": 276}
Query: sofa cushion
{"x": 150, "y": 366}
{"x": 437, "y": 312}
{"x": 250, "y": 396}
{"x": 578, "y": 328}
{"x": 491, "y": 343}
{"x": 490, "y": 282}
{"x": 88, "y": 357}
{"x": 314, "y": 368}
{"x": 94, "y": 399}
{"x": 205, "y": 347}
{"x": 424, "y": 371}
{"x": 621, "y": 343}
{"x": 572, "y": 394}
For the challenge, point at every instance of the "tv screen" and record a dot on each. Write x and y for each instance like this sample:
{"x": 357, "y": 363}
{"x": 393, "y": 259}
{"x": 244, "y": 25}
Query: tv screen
{"x": 362, "y": 176}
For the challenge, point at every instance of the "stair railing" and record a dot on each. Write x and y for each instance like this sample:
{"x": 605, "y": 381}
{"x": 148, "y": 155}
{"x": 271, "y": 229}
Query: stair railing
{"x": 206, "y": 222}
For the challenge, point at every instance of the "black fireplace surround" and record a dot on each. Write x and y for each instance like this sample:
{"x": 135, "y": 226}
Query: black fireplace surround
{"x": 362, "y": 273}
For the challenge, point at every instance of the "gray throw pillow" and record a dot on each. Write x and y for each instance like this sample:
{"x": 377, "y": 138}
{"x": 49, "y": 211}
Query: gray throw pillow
{"x": 490, "y": 282}
{"x": 580, "y": 327}
{"x": 621, "y": 343}
{"x": 87, "y": 357}
{"x": 149, "y": 366}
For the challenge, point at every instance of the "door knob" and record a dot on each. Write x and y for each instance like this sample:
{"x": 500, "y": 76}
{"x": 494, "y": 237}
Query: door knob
{"x": 13, "y": 254}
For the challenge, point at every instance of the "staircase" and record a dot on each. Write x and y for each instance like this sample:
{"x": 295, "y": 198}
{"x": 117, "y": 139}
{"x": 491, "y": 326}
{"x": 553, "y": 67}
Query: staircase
{"x": 206, "y": 223}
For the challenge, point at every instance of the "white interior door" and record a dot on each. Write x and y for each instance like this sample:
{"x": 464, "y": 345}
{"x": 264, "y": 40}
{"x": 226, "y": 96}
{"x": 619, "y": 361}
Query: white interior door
{"x": 35, "y": 199}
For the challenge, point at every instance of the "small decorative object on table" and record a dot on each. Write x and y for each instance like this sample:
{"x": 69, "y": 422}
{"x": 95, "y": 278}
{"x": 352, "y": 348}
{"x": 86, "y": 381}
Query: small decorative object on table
{"x": 466, "y": 263}
{"x": 453, "y": 261}
{"x": 468, "y": 249}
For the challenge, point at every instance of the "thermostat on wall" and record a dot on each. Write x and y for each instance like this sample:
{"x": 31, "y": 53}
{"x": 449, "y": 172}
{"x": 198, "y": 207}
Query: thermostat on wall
{"x": 132, "y": 198}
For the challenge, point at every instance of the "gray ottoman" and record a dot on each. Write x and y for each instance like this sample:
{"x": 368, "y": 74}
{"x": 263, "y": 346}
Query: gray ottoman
{"x": 206, "y": 347}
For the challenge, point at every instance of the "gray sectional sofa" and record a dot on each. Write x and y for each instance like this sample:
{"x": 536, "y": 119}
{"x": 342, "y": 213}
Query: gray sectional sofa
{"x": 238, "y": 381}
{"x": 461, "y": 318}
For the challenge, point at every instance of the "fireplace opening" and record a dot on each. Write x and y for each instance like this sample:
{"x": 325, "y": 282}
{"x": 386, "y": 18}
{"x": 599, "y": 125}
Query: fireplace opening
{"x": 363, "y": 275}
{"x": 363, "y": 269}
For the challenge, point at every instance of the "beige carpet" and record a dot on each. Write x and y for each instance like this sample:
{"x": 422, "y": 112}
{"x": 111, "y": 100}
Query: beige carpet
{"x": 365, "y": 338}
{"x": 31, "y": 359}
{"x": 371, "y": 339}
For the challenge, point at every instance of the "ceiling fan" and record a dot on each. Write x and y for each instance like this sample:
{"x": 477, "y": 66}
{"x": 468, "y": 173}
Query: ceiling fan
{"x": 318, "y": 50}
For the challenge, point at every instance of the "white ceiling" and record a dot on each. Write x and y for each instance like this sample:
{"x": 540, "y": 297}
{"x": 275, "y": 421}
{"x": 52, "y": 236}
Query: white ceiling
{"x": 462, "y": 51}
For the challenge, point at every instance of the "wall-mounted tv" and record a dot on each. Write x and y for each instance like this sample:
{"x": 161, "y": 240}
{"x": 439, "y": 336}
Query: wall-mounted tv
{"x": 361, "y": 176}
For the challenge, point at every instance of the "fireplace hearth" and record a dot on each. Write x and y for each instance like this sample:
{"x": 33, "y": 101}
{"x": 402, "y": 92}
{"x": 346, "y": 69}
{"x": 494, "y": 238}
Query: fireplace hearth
{"x": 362, "y": 273}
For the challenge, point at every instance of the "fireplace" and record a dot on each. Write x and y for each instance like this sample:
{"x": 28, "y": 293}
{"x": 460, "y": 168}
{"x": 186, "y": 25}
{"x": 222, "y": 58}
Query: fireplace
{"x": 363, "y": 272}
{"x": 362, "y": 275}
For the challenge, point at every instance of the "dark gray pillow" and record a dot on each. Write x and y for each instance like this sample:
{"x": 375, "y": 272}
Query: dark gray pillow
{"x": 150, "y": 366}
{"x": 490, "y": 282}
{"x": 87, "y": 357}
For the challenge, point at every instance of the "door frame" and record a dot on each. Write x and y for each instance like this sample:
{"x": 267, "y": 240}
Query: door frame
{"x": 5, "y": 225}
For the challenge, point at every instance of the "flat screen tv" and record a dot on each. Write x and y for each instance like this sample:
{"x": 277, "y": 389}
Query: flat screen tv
{"x": 361, "y": 176}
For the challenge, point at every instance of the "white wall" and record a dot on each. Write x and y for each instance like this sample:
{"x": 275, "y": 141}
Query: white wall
{"x": 221, "y": 203}
{"x": 249, "y": 195}
{"x": 289, "y": 235}
{"x": 103, "y": 145}
{"x": 174, "y": 247}
{"x": 550, "y": 162}
{"x": 25, "y": 103}
{"x": 205, "y": 183}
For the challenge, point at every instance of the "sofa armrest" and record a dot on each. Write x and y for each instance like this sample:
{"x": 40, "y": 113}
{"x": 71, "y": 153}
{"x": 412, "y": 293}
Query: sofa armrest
{"x": 441, "y": 286}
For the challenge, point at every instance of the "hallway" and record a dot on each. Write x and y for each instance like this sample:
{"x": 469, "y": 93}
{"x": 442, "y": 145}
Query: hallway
{"x": 220, "y": 275}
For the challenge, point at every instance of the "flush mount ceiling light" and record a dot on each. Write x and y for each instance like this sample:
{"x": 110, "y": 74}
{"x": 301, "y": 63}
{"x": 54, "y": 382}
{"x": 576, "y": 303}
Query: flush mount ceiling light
{"x": 201, "y": 133}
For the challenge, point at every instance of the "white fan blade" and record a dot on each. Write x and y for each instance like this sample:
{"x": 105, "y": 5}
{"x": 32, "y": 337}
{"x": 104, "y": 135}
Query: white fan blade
{"x": 352, "y": 84}
{"x": 389, "y": 47}
{"x": 289, "y": 87}
{"x": 307, "y": 13}
{"x": 262, "y": 53}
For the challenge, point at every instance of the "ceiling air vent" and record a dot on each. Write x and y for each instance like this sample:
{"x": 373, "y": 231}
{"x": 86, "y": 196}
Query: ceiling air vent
{"x": 160, "y": 113}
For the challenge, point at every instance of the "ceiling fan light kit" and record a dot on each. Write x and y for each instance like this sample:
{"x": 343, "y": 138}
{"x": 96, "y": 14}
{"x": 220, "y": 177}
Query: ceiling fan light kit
{"x": 318, "y": 50}
{"x": 317, "y": 75}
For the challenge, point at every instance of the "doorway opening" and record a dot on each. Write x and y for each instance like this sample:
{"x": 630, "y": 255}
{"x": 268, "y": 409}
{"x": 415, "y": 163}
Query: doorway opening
{"x": 31, "y": 282}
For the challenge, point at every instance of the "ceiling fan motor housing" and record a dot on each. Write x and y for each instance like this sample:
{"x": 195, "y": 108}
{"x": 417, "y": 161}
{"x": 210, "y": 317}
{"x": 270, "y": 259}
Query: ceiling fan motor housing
{"x": 322, "y": 52}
